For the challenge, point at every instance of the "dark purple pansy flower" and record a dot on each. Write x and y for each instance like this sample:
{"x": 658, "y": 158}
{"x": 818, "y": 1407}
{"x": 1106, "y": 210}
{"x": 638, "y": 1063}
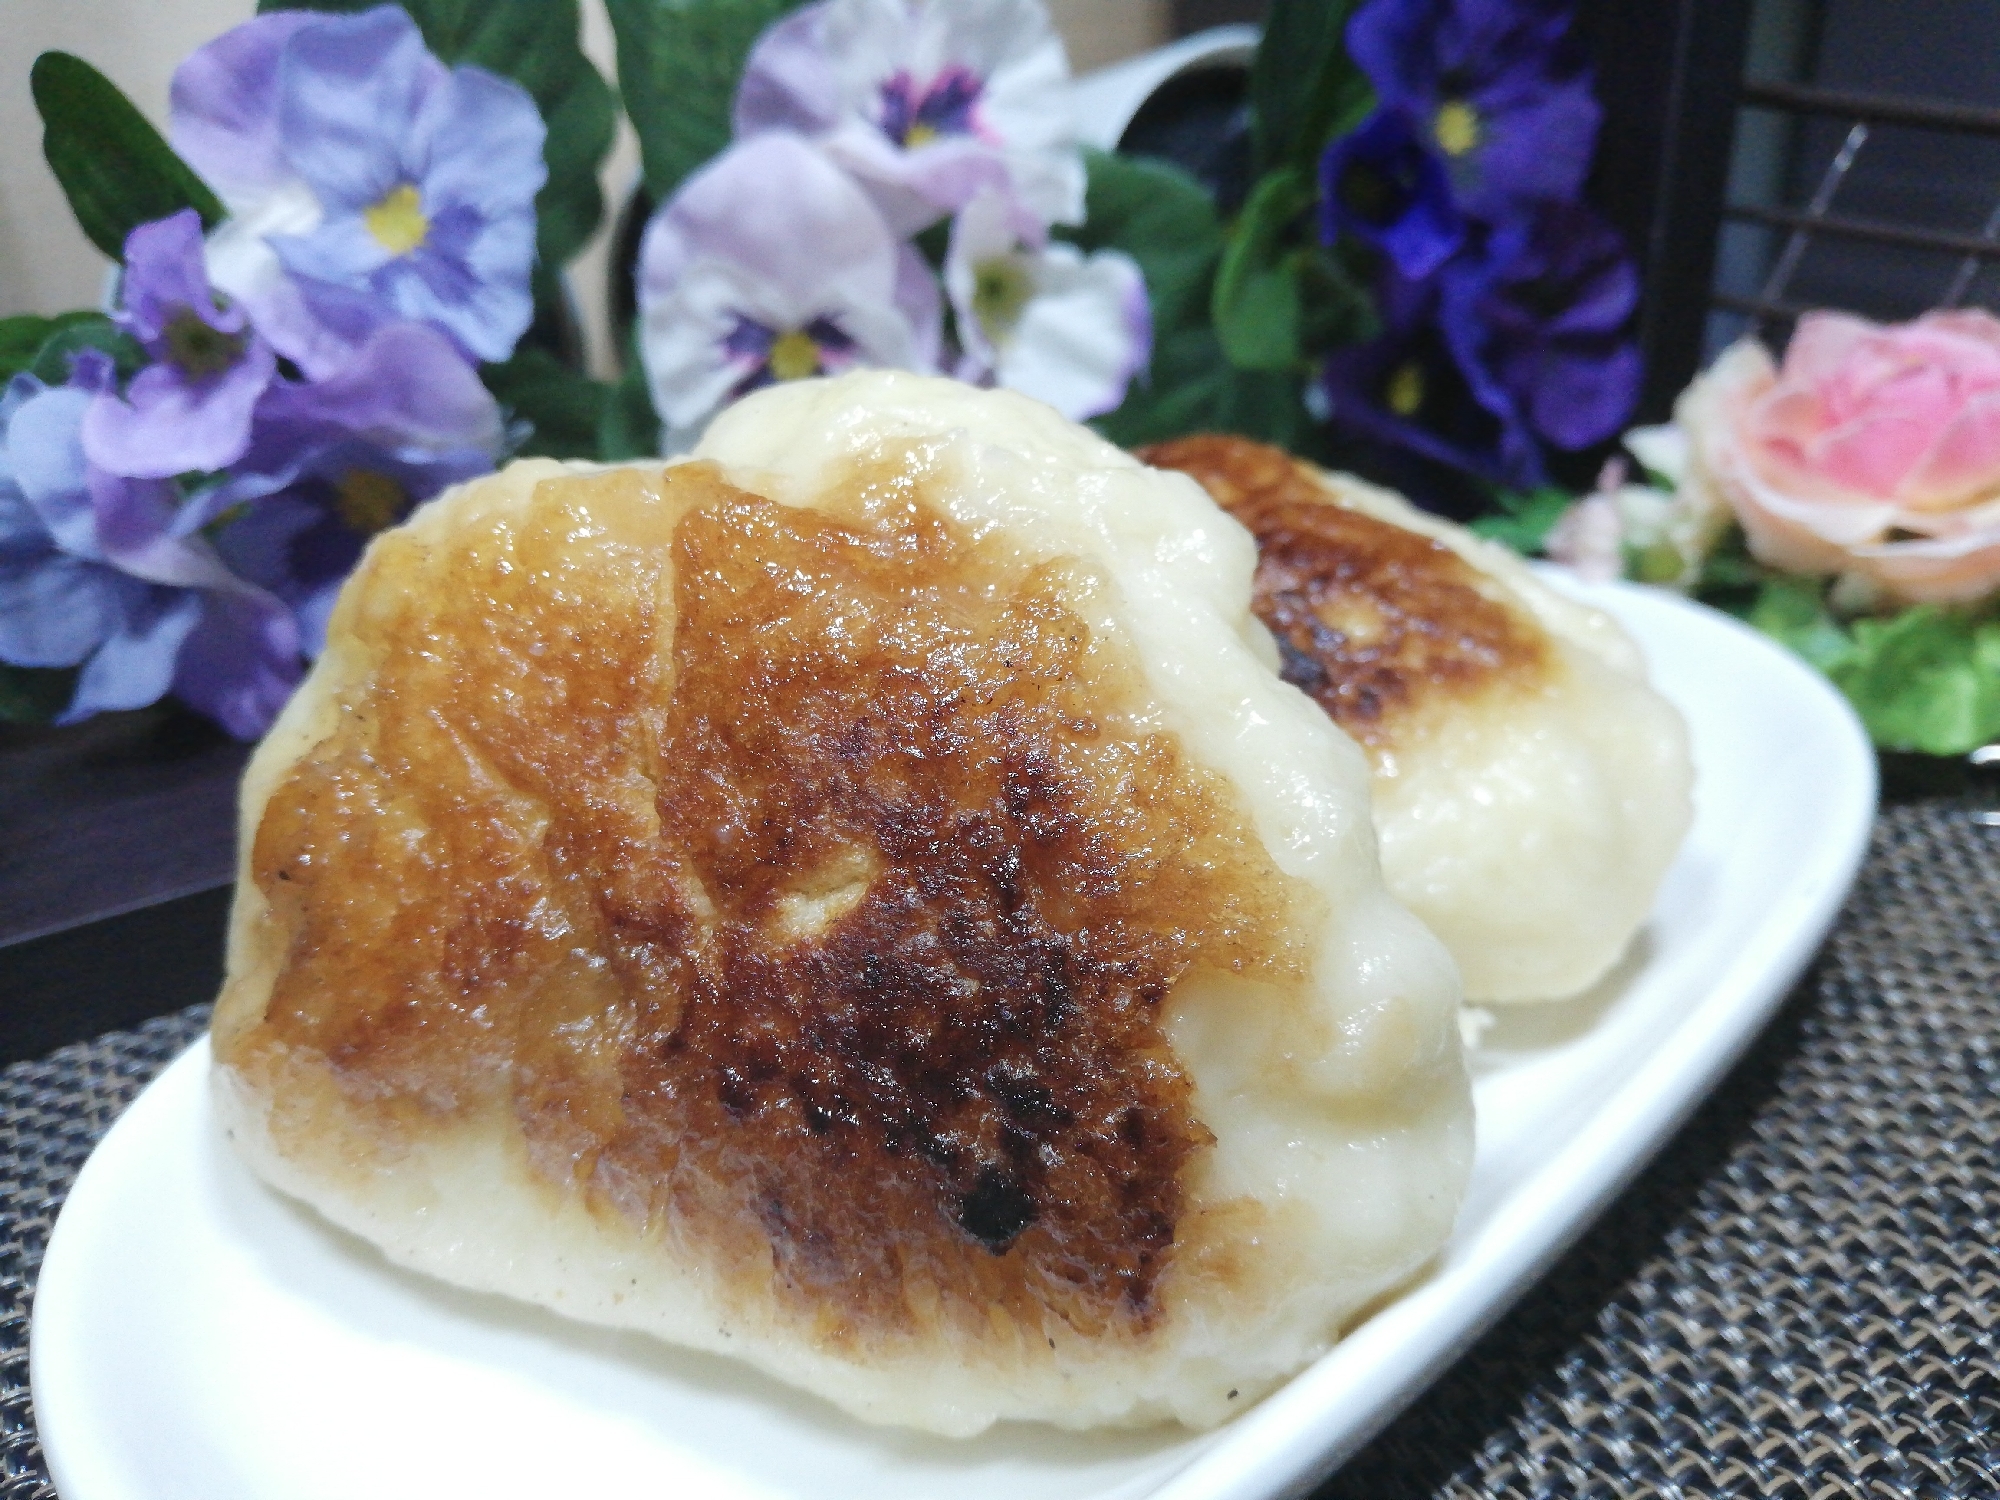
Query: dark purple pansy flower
{"x": 1495, "y": 87}
{"x": 1538, "y": 323}
{"x": 190, "y": 409}
{"x": 1407, "y": 389}
{"x": 1380, "y": 184}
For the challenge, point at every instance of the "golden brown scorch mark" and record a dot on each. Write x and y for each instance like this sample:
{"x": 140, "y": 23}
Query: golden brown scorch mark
{"x": 1372, "y": 621}
{"x": 797, "y": 878}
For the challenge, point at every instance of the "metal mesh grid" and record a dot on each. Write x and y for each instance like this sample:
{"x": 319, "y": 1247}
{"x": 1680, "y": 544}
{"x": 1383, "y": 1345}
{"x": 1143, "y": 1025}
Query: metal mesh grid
{"x": 1799, "y": 1298}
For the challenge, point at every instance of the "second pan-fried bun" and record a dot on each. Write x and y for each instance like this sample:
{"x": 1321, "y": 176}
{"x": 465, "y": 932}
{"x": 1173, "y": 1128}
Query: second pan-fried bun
{"x": 1530, "y": 787}
{"x": 855, "y": 901}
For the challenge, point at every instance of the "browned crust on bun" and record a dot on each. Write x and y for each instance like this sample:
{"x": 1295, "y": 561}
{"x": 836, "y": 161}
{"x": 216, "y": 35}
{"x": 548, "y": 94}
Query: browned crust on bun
{"x": 800, "y": 881}
{"x": 1374, "y": 622}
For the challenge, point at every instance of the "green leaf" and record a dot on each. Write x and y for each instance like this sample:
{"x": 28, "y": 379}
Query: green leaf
{"x": 1163, "y": 219}
{"x": 1927, "y": 679}
{"x": 79, "y": 331}
{"x": 1304, "y": 89}
{"x": 564, "y": 408}
{"x": 679, "y": 62}
{"x": 573, "y": 416}
{"x": 1258, "y": 324}
{"x": 1193, "y": 388}
{"x": 22, "y": 338}
{"x": 19, "y": 339}
{"x": 1793, "y": 612}
{"x": 1281, "y": 300}
{"x": 1525, "y": 519}
{"x": 535, "y": 43}
{"x": 34, "y": 695}
{"x": 629, "y": 427}
{"x": 1338, "y": 307}
{"x": 1731, "y": 579}
{"x": 114, "y": 167}
{"x": 1257, "y": 304}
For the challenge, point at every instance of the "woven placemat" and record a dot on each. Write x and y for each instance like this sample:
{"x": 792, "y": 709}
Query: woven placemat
{"x": 1798, "y": 1298}
{"x": 52, "y": 1113}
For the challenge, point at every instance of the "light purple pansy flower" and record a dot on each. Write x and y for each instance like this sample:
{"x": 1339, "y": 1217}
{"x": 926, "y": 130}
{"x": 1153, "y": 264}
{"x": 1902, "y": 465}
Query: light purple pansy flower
{"x": 387, "y": 184}
{"x": 189, "y": 409}
{"x": 223, "y": 120}
{"x": 771, "y": 264}
{"x": 101, "y": 572}
{"x": 927, "y": 102}
{"x": 338, "y": 460}
{"x": 1047, "y": 320}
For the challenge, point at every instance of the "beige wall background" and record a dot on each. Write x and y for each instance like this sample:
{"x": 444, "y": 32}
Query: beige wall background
{"x": 46, "y": 265}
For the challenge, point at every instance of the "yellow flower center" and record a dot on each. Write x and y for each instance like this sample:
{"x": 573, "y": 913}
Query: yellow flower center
{"x": 919, "y": 134}
{"x": 398, "y": 221}
{"x": 1406, "y": 390}
{"x": 1001, "y": 288}
{"x": 1457, "y": 127}
{"x": 794, "y": 356}
{"x": 369, "y": 501}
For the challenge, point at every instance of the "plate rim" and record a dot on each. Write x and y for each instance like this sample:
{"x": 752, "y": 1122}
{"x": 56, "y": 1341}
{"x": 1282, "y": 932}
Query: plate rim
{"x": 1281, "y": 1447}
{"x": 1585, "y": 1174}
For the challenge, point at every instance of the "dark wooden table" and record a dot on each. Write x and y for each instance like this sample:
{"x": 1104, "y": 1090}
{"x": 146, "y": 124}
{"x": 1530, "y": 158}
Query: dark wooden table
{"x": 117, "y": 846}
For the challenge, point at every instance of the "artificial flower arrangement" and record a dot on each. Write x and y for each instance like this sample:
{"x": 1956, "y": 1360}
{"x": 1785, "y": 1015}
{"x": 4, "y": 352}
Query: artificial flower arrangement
{"x": 1845, "y": 501}
{"x": 340, "y": 278}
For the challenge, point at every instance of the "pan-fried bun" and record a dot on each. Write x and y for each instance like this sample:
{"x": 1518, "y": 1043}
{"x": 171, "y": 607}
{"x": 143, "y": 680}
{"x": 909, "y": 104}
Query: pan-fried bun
{"x": 854, "y": 901}
{"x": 1530, "y": 788}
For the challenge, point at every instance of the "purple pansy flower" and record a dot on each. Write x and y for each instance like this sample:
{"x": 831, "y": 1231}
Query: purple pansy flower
{"x": 301, "y": 541}
{"x": 927, "y": 102}
{"x": 1521, "y": 336}
{"x": 1381, "y": 184}
{"x": 1408, "y": 389}
{"x": 1538, "y": 323}
{"x": 1044, "y": 318}
{"x": 914, "y": 113}
{"x": 101, "y": 572}
{"x": 338, "y": 460}
{"x": 771, "y": 264}
{"x": 383, "y": 181}
{"x": 1495, "y": 87}
{"x": 189, "y": 409}
{"x": 223, "y": 119}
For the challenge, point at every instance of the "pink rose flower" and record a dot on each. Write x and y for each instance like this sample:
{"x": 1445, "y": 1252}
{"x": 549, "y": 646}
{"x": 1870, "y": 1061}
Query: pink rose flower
{"x": 1873, "y": 451}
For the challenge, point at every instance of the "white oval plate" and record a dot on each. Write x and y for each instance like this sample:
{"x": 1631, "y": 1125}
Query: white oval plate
{"x": 197, "y": 1335}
